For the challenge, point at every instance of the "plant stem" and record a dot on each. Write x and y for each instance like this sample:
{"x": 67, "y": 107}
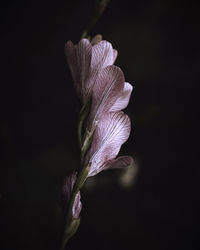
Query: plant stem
{"x": 98, "y": 11}
{"x": 100, "y": 6}
{"x": 69, "y": 217}
{"x": 83, "y": 115}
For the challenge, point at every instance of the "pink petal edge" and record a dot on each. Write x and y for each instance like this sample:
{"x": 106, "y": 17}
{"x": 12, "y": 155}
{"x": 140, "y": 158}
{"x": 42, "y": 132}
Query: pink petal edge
{"x": 123, "y": 100}
{"x": 112, "y": 131}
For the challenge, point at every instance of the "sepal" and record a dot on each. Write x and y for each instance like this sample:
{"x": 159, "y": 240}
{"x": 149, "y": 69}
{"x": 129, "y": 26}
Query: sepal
{"x": 71, "y": 229}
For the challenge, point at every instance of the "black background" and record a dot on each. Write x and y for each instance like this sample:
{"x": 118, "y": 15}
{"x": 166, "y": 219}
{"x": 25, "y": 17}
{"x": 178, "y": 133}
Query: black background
{"x": 158, "y": 45}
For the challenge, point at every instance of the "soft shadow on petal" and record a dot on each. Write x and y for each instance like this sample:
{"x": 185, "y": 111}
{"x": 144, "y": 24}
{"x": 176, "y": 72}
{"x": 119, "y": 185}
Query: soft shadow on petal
{"x": 70, "y": 53}
{"x": 84, "y": 53}
{"x": 115, "y": 54}
{"x": 112, "y": 131}
{"x": 106, "y": 91}
{"x": 120, "y": 162}
{"x": 102, "y": 56}
{"x": 79, "y": 60}
{"x": 123, "y": 100}
{"x": 86, "y": 60}
{"x": 68, "y": 184}
{"x": 66, "y": 195}
{"x": 76, "y": 209}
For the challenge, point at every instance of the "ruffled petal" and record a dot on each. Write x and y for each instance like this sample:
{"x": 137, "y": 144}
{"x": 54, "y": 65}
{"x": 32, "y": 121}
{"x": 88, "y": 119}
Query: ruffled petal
{"x": 106, "y": 91}
{"x": 122, "y": 102}
{"x": 111, "y": 132}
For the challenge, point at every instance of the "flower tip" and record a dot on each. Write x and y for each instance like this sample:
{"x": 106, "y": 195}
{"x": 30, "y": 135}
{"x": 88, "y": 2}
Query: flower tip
{"x": 69, "y": 43}
{"x": 96, "y": 39}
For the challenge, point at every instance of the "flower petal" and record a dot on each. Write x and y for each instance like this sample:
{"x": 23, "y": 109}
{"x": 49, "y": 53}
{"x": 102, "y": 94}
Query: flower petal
{"x": 106, "y": 91}
{"x": 123, "y": 100}
{"x": 68, "y": 186}
{"x": 84, "y": 53}
{"x": 87, "y": 61}
{"x": 79, "y": 59}
{"x": 77, "y": 206}
{"x": 66, "y": 195}
{"x": 102, "y": 56}
{"x": 120, "y": 162}
{"x": 115, "y": 53}
{"x": 111, "y": 132}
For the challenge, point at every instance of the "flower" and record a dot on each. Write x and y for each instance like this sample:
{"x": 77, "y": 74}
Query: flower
{"x": 66, "y": 195}
{"x": 104, "y": 93}
{"x": 110, "y": 93}
{"x": 97, "y": 79}
{"x": 111, "y": 132}
{"x": 86, "y": 60}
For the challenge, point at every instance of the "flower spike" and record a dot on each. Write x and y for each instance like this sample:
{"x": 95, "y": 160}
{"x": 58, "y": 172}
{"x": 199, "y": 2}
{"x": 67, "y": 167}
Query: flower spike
{"x": 103, "y": 126}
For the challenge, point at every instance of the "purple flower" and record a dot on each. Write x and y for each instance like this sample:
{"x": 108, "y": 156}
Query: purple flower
{"x": 104, "y": 93}
{"x": 86, "y": 60}
{"x": 66, "y": 196}
{"x": 96, "y": 78}
{"x": 110, "y": 93}
{"x": 111, "y": 132}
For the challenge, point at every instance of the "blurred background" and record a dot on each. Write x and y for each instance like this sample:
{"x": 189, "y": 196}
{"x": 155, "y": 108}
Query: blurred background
{"x": 153, "y": 207}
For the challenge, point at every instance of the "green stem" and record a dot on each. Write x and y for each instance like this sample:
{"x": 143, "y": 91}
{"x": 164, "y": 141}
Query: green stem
{"x": 84, "y": 34}
{"x": 100, "y": 6}
{"x": 83, "y": 115}
{"x": 69, "y": 218}
{"x": 98, "y": 11}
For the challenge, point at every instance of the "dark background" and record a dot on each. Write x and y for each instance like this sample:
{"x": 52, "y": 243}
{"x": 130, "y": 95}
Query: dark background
{"x": 158, "y": 45}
